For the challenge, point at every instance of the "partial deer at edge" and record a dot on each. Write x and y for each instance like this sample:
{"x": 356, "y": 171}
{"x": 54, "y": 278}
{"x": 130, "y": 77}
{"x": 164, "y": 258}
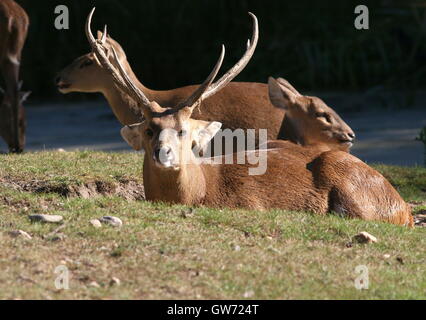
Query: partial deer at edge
{"x": 13, "y": 32}
{"x": 332, "y": 181}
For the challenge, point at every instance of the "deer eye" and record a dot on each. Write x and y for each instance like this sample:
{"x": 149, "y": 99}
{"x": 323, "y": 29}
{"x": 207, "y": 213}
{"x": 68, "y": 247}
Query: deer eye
{"x": 149, "y": 132}
{"x": 86, "y": 63}
{"x": 324, "y": 115}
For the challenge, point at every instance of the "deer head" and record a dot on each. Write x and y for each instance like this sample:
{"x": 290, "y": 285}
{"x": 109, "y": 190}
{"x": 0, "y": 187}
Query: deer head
{"x": 169, "y": 135}
{"x": 308, "y": 120}
{"x": 85, "y": 74}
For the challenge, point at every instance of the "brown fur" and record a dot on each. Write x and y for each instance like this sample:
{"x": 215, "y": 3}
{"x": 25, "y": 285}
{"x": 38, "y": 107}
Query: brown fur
{"x": 297, "y": 178}
{"x": 13, "y": 32}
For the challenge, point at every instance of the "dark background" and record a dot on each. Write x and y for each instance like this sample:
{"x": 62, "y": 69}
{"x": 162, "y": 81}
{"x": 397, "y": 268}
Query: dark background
{"x": 174, "y": 43}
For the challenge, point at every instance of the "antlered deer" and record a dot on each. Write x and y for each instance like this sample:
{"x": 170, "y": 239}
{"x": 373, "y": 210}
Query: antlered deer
{"x": 86, "y": 74}
{"x": 333, "y": 181}
{"x": 14, "y": 23}
{"x": 237, "y": 105}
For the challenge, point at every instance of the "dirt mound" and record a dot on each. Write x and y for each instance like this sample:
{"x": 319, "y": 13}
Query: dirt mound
{"x": 128, "y": 189}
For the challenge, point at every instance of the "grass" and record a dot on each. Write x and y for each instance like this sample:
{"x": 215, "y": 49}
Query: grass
{"x": 177, "y": 252}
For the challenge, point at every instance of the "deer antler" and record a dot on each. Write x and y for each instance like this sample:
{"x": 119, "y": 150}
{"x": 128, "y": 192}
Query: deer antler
{"x": 122, "y": 80}
{"x": 239, "y": 66}
{"x": 198, "y": 94}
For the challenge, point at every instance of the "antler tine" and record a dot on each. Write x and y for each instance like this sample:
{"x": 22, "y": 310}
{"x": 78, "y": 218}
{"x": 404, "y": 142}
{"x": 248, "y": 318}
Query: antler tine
{"x": 240, "y": 65}
{"x": 104, "y": 35}
{"x": 129, "y": 82}
{"x": 126, "y": 85}
{"x": 199, "y": 93}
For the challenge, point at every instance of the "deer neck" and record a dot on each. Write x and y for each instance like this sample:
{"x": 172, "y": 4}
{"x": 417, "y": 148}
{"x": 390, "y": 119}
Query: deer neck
{"x": 289, "y": 131}
{"x": 186, "y": 185}
{"x": 124, "y": 107}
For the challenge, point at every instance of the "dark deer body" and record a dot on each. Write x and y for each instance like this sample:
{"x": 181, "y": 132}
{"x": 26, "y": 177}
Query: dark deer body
{"x": 13, "y": 32}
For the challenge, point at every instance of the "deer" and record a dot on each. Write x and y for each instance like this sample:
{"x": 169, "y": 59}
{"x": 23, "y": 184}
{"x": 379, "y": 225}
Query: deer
{"x": 333, "y": 181}
{"x": 308, "y": 120}
{"x": 238, "y": 105}
{"x": 14, "y": 24}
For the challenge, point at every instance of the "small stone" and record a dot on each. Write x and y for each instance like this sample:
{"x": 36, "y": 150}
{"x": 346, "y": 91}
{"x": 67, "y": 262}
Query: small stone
{"x": 58, "y": 237}
{"x": 114, "y": 281}
{"x": 94, "y": 284}
{"x": 365, "y": 237}
{"x": 46, "y": 218}
{"x": 20, "y": 233}
{"x": 248, "y": 294}
{"x": 237, "y": 248}
{"x": 113, "y": 221}
{"x": 400, "y": 260}
{"x": 96, "y": 223}
{"x": 420, "y": 219}
{"x": 386, "y": 256}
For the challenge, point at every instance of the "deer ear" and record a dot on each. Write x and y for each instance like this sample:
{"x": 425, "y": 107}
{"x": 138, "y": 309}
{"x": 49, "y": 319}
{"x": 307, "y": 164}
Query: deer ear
{"x": 206, "y": 133}
{"x": 100, "y": 33}
{"x": 280, "y": 96}
{"x": 117, "y": 47}
{"x": 132, "y": 134}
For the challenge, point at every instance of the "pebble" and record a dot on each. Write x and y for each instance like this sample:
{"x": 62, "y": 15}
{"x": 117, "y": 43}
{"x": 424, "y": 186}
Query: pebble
{"x": 58, "y": 237}
{"x": 365, "y": 237}
{"x": 46, "y": 218}
{"x": 114, "y": 281}
{"x": 96, "y": 223}
{"x": 248, "y": 294}
{"x": 20, "y": 233}
{"x": 94, "y": 284}
{"x": 113, "y": 221}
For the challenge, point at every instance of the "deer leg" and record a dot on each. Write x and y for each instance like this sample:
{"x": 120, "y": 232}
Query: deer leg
{"x": 10, "y": 70}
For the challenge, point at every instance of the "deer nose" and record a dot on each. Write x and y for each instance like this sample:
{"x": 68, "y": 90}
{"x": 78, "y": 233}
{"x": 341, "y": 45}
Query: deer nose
{"x": 57, "y": 79}
{"x": 351, "y": 135}
{"x": 163, "y": 154}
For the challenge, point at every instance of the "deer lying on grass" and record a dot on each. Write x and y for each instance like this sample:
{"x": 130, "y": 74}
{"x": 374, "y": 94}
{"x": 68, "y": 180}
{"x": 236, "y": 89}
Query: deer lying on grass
{"x": 13, "y": 32}
{"x": 333, "y": 181}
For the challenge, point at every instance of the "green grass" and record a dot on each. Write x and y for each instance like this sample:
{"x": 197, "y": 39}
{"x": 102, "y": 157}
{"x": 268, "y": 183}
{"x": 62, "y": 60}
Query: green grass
{"x": 173, "y": 252}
